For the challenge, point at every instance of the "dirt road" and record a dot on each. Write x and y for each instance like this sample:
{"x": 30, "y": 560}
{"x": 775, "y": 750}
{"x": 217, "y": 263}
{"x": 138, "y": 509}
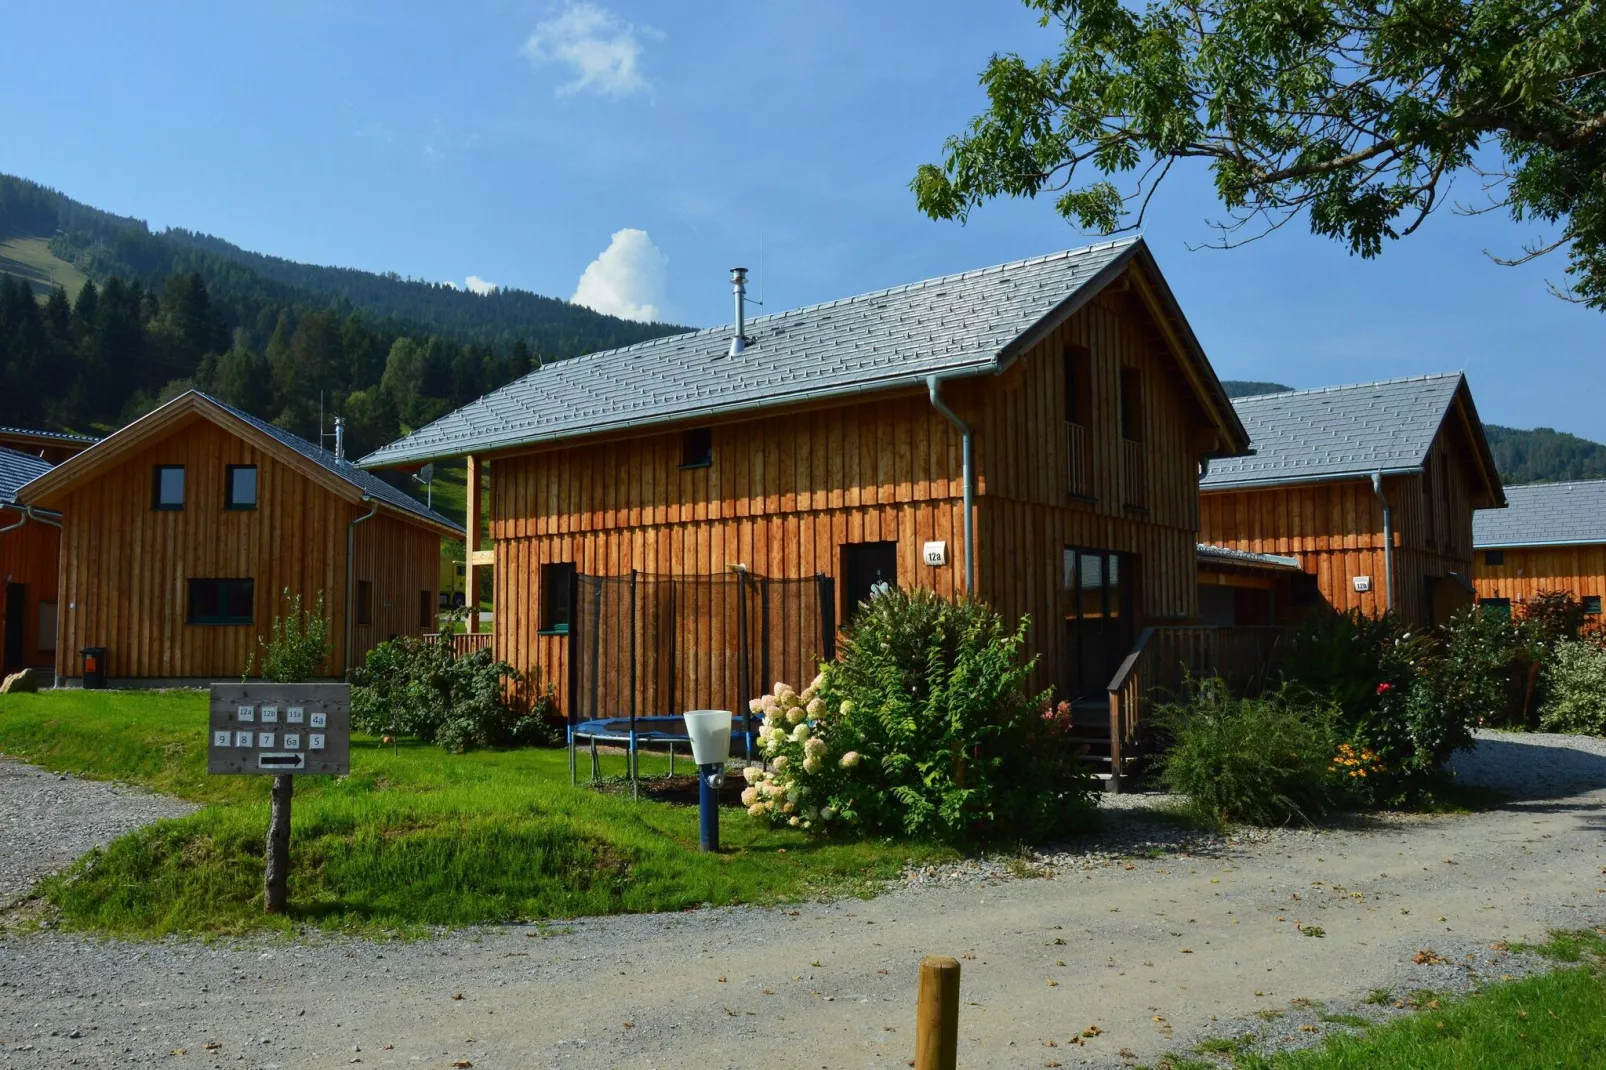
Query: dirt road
{"x": 1154, "y": 952}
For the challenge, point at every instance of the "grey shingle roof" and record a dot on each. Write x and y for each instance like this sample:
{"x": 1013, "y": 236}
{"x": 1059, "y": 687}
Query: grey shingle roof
{"x": 68, "y": 437}
{"x": 1337, "y": 431}
{"x": 1228, "y": 555}
{"x": 1545, "y": 514}
{"x": 17, "y": 469}
{"x": 367, "y": 482}
{"x": 963, "y": 324}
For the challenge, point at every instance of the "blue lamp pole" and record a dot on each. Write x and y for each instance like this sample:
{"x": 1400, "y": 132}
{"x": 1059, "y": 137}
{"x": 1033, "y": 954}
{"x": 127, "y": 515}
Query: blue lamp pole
{"x": 710, "y": 732}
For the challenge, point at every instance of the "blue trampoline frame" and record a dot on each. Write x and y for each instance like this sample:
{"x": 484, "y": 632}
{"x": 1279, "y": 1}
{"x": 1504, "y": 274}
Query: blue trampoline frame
{"x": 636, "y": 732}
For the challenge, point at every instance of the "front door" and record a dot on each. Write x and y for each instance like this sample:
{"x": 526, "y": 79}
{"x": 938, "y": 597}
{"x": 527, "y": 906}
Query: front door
{"x": 1099, "y": 621}
{"x": 866, "y": 568}
{"x": 16, "y": 616}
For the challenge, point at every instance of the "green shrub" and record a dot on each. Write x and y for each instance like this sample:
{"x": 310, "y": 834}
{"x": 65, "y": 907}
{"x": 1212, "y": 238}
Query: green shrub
{"x": 300, "y": 643}
{"x": 1575, "y": 689}
{"x": 1486, "y": 658}
{"x": 923, "y": 728}
{"x": 415, "y": 687}
{"x": 1266, "y": 761}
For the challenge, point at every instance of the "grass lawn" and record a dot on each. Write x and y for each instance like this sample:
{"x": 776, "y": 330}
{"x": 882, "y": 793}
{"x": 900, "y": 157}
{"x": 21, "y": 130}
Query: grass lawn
{"x": 1549, "y": 1021}
{"x": 30, "y": 258}
{"x": 414, "y": 837}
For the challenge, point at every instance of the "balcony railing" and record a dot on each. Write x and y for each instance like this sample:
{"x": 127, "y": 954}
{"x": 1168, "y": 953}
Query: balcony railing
{"x": 1134, "y": 475}
{"x": 1079, "y": 462}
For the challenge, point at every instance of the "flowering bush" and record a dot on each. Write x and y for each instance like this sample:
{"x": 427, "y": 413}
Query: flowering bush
{"x": 1575, "y": 689}
{"x": 412, "y": 686}
{"x": 923, "y": 729}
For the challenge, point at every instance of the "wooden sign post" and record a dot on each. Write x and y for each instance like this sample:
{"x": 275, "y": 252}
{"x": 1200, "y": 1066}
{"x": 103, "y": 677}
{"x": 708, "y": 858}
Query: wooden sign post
{"x": 279, "y": 730}
{"x": 937, "y": 1014}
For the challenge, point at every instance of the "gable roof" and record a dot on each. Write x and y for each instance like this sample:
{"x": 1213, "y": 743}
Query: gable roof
{"x": 17, "y": 469}
{"x": 340, "y": 476}
{"x": 49, "y": 438}
{"x": 1336, "y": 432}
{"x": 972, "y": 323}
{"x": 1545, "y": 514}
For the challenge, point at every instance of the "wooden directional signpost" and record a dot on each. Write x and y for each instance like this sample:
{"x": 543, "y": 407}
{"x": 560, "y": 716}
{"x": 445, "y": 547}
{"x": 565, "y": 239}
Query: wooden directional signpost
{"x": 279, "y": 730}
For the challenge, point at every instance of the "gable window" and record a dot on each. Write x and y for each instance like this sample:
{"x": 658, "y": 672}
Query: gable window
{"x": 1078, "y": 374}
{"x": 868, "y": 568}
{"x": 1132, "y": 404}
{"x": 1494, "y": 558}
{"x": 426, "y": 611}
{"x": 697, "y": 447}
{"x": 220, "y": 601}
{"x": 557, "y": 580}
{"x": 240, "y": 489}
{"x": 167, "y": 487}
{"x": 365, "y": 601}
{"x": 1591, "y": 604}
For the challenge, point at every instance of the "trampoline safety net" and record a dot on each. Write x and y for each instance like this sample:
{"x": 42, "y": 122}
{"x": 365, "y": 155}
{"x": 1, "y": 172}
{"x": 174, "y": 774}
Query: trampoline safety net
{"x": 644, "y": 645}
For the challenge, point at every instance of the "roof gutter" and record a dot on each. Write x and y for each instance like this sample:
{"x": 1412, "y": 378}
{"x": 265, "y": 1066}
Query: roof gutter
{"x": 351, "y": 579}
{"x": 22, "y": 511}
{"x": 1388, "y": 538}
{"x": 1482, "y": 546}
{"x": 934, "y": 387}
{"x": 1294, "y": 481}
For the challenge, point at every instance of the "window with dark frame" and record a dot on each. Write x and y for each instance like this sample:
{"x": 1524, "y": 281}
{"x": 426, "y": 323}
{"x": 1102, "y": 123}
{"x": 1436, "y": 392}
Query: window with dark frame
{"x": 697, "y": 447}
{"x": 1498, "y": 606}
{"x": 1132, "y": 404}
{"x": 221, "y": 601}
{"x": 365, "y": 601}
{"x": 867, "y": 568}
{"x": 167, "y": 487}
{"x": 426, "y": 610}
{"x": 1591, "y": 604}
{"x": 1078, "y": 373}
{"x": 556, "y": 583}
{"x": 240, "y": 486}
{"x": 1494, "y": 558}
{"x": 1304, "y": 590}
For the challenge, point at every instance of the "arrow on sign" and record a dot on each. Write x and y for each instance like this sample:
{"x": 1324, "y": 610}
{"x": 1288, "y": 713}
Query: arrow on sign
{"x": 288, "y": 762}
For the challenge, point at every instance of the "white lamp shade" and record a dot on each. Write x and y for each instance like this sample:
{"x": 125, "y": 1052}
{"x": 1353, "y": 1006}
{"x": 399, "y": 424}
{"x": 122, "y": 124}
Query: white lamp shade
{"x": 710, "y": 732}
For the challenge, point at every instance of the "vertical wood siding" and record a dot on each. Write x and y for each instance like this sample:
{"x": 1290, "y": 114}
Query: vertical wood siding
{"x": 29, "y": 556}
{"x": 125, "y": 565}
{"x": 788, "y": 490}
{"x": 1531, "y": 571}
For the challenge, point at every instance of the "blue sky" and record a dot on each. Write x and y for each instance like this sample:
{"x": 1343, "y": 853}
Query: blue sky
{"x": 510, "y": 142}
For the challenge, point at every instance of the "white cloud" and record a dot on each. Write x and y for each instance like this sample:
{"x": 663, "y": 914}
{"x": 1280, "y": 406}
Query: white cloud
{"x": 450, "y": 283}
{"x": 597, "y": 46}
{"x": 627, "y": 279}
{"x": 475, "y": 284}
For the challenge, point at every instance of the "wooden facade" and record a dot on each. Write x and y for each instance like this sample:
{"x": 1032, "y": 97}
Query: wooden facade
{"x": 791, "y": 492}
{"x": 28, "y": 601}
{"x": 1335, "y": 529}
{"x": 127, "y": 566}
{"x": 52, "y": 447}
{"x": 1524, "y": 572}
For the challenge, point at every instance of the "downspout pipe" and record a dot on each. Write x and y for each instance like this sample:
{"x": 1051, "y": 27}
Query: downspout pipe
{"x": 351, "y": 577}
{"x": 934, "y": 386}
{"x": 22, "y": 512}
{"x": 1388, "y": 539}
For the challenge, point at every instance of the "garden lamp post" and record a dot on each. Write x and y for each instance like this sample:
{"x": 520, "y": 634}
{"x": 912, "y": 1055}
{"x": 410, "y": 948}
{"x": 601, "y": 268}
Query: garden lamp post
{"x": 710, "y": 732}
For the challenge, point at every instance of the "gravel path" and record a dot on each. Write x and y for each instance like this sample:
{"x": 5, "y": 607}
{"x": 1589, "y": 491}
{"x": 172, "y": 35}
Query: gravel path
{"x": 1219, "y": 935}
{"x": 47, "y": 820}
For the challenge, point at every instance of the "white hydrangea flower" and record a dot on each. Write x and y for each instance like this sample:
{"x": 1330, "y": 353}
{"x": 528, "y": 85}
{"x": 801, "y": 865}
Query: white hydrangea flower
{"x": 808, "y": 824}
{"x": 794, "y": 822}
{"x": 818, "y": 681}
{"x": 827, "y": 814}
{"x": 814, "y": 746}
{"x": 811, "y": 764}
{"x": 807, "y": 696}
{"x": 849, "y": 760}
{"x": 816, "y": 707}
{"x": 846, "y": 707}
{"x": 781, "y": 763}
{"x": 796, "y": 714}
{"x": 800, "y": 733}
{"x": 752, "y": 774}
{"x": 756, "y": 810}
{"x": 755, "y": 705}
{"x": 749, "y": 797}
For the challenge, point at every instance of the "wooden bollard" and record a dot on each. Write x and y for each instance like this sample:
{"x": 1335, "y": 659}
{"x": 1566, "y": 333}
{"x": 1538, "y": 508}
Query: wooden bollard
{"x": 937, "y": 1014}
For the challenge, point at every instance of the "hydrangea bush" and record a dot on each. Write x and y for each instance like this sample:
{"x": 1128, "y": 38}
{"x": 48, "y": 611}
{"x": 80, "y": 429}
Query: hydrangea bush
{"x": 923, "y": 729}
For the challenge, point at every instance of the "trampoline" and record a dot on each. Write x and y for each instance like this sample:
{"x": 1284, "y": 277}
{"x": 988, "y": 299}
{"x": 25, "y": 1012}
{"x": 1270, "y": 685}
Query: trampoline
{"x": 641, "y": 731}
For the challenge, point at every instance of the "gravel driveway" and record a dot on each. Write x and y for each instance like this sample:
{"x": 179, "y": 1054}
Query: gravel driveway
{"x": 1154, "y": 952}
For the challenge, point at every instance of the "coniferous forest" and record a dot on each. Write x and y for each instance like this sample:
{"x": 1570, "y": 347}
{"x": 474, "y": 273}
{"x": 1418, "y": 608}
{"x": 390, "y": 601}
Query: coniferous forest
{"x": 164, "y": 312}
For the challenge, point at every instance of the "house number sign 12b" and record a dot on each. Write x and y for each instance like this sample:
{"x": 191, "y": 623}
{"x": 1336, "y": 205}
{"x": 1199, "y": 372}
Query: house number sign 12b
{"x": 265, "y": 729}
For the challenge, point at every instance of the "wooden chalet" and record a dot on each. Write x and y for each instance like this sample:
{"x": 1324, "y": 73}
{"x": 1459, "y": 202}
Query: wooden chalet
{"x": 1064, "y": 399}
{"x": 52, "y": 446}
{"x": 1372, "y": 488}
{"x": 1551, "y": 537}
{"x": 29, "y": 546}
{"x": 181, "y": 531}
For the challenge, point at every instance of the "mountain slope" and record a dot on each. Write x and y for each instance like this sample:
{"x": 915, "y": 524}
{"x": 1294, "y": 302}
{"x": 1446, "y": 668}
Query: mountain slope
{"x": 1544, "y": 455}
{"x": 1245, "y": 388}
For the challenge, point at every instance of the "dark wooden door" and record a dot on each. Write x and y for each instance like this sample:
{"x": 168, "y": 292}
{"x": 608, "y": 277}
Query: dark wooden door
{"x": 1099, "y": 621}
{"x": 865, "y": 567}
{"x": 16, "y": 625}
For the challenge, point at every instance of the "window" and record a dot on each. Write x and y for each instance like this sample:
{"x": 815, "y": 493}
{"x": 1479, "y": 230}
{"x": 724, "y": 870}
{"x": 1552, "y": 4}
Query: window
{"x": 365, "y": 601}
{"x": 1494, "y": 558}
{"x": 222, "y": 601}
{"x": 1304, "y": 590}
{"x": 426, "y": 611}
{"x": 557, "y": 580}
{"x": 1078, "y": 385}
{"x": 1131, "y": 404}
{"x": 1498, "y": 606}
{"x": 867, "y": 569}
{"x": 167, "y": 487}
{"x": 240, "y": 491}
{"x": 697, "y": 447}
{"x": 1591, "y": 604}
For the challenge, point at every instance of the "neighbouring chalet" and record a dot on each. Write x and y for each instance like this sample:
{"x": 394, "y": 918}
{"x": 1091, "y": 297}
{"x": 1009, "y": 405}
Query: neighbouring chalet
{"x": 28, "y": 560}
{"x": 52, "y": 446}
{"x": 1064, "y": 399}
{"x": 1371, "y": 487}
{"x": 181, "y": 531}
{"x": 1550, "y": 537}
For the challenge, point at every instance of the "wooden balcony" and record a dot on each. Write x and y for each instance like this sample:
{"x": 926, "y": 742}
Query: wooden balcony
{"x": 1078, "y": 462}
{"x": 1134, "y": 475}
{"x": 462, "y": 643}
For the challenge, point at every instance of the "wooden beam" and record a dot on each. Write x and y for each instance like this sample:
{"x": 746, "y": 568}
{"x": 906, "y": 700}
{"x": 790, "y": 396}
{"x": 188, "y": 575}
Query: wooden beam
{"x": 471, "y": 526}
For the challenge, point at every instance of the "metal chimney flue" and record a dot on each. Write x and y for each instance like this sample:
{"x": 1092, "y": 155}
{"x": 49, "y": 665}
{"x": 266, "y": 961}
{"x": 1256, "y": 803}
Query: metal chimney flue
{"x": 340, "y": 439}
{"x": 739, "y": 289}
